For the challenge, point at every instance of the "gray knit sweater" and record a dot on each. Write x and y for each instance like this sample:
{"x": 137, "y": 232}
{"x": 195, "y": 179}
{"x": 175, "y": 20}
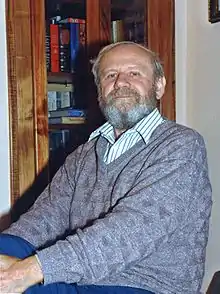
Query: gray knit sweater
{"x": 140, "y": 221}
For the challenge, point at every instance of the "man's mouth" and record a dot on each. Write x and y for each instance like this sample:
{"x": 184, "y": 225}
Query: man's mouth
{"x": 123, "y": 96}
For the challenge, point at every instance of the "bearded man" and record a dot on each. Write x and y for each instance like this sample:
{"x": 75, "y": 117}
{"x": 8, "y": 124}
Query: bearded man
{"x": 129, "y": 210}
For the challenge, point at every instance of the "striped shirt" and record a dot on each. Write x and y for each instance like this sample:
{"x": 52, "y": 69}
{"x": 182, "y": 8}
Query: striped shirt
{"x": 141, "y": 131}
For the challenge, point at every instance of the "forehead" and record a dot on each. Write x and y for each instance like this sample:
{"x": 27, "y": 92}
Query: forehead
{"x": 126, "y": 55}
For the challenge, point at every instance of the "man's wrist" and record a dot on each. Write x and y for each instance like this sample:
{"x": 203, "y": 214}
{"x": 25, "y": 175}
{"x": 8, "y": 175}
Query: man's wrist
{"x": 33, "y": 272}
{"x": 39, "y": 262}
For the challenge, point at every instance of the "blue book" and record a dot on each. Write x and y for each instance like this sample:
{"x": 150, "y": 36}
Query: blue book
{"x": 67, "y": 113}
{"x": 74, "y": 44}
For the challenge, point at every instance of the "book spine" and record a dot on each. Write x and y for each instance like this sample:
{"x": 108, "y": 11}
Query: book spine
{"x": 117, "y": 31}
{"x": 68, "y": 113}
{"x": 52, "y": 100}
{"x": 64, "y": 47}
{"x": 47, "y": 45}
{"x": 58, "y": 100}
{"x": 58, "y": 139}
{"x": 66, "y": 120}
{"x": 114, "y": 31}
{"x": 66, "y": 99}
{"x": 78, "y": 40}
{"x": 82, "y": 33}
{"x": 54, "y": 48}
{"x": 73, "y": 45}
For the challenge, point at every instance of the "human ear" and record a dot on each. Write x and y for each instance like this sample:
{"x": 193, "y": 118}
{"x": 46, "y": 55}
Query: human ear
{"x": 160, "y": 87}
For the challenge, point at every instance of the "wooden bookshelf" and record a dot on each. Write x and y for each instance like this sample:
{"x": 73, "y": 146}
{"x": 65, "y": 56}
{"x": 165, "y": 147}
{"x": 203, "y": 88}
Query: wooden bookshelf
{"x": 60, "y": 78}
{"x": 64, "y": 126}
{"x": 28, "y": 77}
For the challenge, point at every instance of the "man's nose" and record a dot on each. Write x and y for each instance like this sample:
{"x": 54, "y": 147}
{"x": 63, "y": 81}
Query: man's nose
{"x": 121, "y": 81}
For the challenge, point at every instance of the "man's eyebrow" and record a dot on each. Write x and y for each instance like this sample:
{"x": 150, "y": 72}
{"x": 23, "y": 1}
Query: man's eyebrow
{"x": 137, "y": 66}
{"x": 106, "y": 70}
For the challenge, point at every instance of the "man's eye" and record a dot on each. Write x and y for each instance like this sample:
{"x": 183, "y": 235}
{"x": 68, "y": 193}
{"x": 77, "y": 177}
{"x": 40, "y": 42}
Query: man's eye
{"x": 110, "y": 76}
{"x": 135, "y": 73}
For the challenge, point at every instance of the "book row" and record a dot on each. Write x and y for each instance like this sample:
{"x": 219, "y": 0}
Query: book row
{"x": 58, "y": 100}
{"x": 64, "y": 40}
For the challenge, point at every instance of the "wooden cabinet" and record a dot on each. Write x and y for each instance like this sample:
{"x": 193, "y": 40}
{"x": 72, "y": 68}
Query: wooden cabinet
{"x": 27, "y": 75}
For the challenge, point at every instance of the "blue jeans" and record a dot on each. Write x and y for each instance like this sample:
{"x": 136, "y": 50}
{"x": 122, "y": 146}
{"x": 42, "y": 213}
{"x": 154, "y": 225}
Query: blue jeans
{"x": 18, "y": 247}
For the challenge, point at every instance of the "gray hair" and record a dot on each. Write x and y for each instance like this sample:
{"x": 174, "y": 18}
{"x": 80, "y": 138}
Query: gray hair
{"x": 156, "y": 64}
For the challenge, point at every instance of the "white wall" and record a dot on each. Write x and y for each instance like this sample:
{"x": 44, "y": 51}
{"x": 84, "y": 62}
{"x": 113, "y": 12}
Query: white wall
{"x": 4, "y": 131}
{"x": 198, "y": 98}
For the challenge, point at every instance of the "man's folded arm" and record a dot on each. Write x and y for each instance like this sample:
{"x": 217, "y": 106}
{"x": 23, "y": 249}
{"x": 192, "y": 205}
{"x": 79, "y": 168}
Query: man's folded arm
{"x": 48, "y": 218}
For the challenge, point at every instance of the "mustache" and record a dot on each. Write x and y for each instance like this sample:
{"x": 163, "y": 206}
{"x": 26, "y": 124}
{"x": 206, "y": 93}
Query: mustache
{"x": 124, "y": 91}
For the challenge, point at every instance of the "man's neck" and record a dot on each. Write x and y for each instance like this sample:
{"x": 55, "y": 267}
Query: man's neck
{"x": 118, "y": 132}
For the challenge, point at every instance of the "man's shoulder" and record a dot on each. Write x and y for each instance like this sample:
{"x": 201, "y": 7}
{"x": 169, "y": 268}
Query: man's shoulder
{"x": 171, "y": 137}
{"x": 173, "y": 129}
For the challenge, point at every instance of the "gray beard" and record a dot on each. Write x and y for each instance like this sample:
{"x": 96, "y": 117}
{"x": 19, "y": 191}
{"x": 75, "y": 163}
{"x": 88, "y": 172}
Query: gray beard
{"x": 125, "y": 120}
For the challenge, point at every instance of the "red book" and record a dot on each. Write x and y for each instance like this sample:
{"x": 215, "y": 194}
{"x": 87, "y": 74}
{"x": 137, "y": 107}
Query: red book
{"x": 54, "y": 48}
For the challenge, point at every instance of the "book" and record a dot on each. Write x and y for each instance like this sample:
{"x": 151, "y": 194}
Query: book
{"x": 65, "y": 99}
{"x": 52, "y": 100}
{"x": 67, "y": 113}
{"x": 58, "y": 138}
{"x": 64, "y": 47}
{"x": 47, "y": 46}
{"x": 67, "y": 120}
{"x": 54, "y": 48}
{"x": 118, "y": 34}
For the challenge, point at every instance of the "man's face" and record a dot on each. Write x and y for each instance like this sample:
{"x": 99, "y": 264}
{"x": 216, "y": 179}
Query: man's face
{"x": 127, "y": 90}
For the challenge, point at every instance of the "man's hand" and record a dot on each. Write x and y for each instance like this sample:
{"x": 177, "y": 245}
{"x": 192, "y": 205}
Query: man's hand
{"x": 18, "y": 275}
{"x": 7, "y": 261}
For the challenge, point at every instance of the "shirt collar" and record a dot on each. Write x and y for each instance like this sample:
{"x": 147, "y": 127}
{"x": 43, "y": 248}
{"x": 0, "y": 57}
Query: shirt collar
{"x": 144, "y": 127}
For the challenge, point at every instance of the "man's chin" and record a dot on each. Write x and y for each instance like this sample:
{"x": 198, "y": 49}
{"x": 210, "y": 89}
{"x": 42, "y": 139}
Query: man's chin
{"x": 123, "y": 107}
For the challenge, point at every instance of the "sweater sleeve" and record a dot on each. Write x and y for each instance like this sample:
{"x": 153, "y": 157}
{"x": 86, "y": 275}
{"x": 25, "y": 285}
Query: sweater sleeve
{"x": 48, "y": 218}
{"x": 174, "y": 191}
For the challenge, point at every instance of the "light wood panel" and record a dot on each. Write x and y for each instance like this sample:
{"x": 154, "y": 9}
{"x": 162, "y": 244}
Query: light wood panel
{"x": 27, "y": 93}
{"x": 20, "y": 96}
{"x": 39, "y": 84}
